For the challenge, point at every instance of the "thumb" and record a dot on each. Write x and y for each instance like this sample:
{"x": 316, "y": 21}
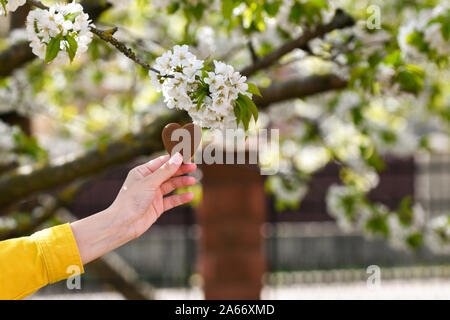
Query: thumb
{"x": 166, "y": 171}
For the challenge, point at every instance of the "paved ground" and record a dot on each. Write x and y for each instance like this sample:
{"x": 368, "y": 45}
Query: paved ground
{"x": 393, "y": 289}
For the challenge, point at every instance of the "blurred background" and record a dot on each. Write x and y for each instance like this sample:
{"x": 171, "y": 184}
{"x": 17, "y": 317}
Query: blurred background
{"x": 360, "y": 94}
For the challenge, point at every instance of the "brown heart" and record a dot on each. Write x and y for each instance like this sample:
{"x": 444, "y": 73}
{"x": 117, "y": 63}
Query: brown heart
{"x": 171, "y": 141}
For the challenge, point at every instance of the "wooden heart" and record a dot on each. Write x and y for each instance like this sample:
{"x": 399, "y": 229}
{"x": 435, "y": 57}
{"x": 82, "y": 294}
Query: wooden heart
{"x": 173, "y": 139}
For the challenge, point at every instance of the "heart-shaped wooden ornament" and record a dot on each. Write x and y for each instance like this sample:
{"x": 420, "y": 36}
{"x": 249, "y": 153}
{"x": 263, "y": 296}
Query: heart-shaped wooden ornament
{"x": 183, "y": 139}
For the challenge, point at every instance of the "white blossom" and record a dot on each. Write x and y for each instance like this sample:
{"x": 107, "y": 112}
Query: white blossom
{"x": 344, "y": 138}
{"x": 399, "y": 232}
{"x": 437, "y": 236}
{"x": 11, "y": 6}
{"x": 43, "y": 25}
{"x": 425, "y": 25}
{"x": 180, "y": 81}
{"x": 291, "y": 195}
{"x": 310, "y": 158}
{"x": 344, "y": 204}
{"x": 7, "y": 143}
{"x": 17, "y": 95}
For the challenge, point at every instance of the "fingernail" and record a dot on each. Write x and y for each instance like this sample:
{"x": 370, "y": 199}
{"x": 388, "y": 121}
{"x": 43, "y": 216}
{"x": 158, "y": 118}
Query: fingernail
{"x": 176, "y": 159}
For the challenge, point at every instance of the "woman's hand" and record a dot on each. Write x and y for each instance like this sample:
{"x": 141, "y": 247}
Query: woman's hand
{"x": 138, "y": 205}
{"x": 141, "y": 200}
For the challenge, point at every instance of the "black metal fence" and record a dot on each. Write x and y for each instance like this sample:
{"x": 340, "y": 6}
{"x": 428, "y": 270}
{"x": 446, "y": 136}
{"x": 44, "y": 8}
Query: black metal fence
{"x": 305, "y": 239}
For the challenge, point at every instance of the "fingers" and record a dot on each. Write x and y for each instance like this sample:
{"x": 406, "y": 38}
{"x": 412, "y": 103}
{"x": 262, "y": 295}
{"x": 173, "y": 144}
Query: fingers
{"x": 166, "y": 171}
{"x": 151, "y": 166}
{"x": 186, "y": 168}
{"x": 175, "y": 183}
{"x": 177, "y": 200}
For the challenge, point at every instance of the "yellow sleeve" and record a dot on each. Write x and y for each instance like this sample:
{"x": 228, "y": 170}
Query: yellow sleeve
{"x": 29, "y": 263}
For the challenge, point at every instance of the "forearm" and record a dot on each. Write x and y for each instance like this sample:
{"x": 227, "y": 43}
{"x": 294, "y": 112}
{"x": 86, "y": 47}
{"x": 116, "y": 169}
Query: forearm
{"x": 100, "y": 233}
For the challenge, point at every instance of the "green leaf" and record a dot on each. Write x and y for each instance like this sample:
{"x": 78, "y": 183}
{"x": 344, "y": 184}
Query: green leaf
{"x": 376, "y": 162}
{"x": 198, "y": 11}
{"x": 247, "y": 109}
{"x": 246, "y": 119}
{"x": 272, "y": 7}
{"x": 29, "y": 146}
{"x": 227, "y": 9}
{"x": 253, "y": 89}
{"x": 416, "y": 39}
{"x": 251, "y": 106}
{"x": 71, "y": 46}
{"x": 394, "y": 59}
{"x": 416, "y": 69}
{"x": 237, "y": 112}
{"x": 405, "y": 212}
{"x": 72, "y": 16}
{"x": 296, "y": 13}
{"x": 445, "y": 30}
{"x": 171, "y": 9}
{"x": 410, "y": 80}
{"x": 374, "y": 59}
{"x": 4, "y": 2}
{"x": 53, "y": 48}
{"x": 200, "y": 99}
{"x": 322, "y": 4}
{"x": 415, "y": 240}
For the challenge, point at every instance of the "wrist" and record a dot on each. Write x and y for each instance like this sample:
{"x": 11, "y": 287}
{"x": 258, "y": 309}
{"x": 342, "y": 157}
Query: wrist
{"x": 122, "y": 227}
{"x": 101, "y": 233}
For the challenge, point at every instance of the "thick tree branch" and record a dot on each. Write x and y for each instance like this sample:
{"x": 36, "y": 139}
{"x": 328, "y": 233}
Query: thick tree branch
{"x": 17, "y": 186}
{"x": 19, "y": 54}
{"x": 299, "y": 88}
{"x": 48, "y": 209}
{"x": 114, "y": 270}
{"x": 340, "y": 20}
{"x": 14, "y": 186}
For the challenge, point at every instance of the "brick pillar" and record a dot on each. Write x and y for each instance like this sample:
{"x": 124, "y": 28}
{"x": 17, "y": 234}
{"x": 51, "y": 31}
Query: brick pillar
{"x": 232, "y": 258}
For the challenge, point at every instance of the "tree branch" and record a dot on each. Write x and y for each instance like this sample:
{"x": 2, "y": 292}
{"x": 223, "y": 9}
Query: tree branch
{"x": 49, "y": 209}
{"x": 340, "y": 20}
{"x": 19, "y": 54}
{"x": 114, "y": 270}
{"x": 299, "y": 88}
{"x": 17, "y": 186}
{"x": 107, "y": 36}
{"x": 253, "y": 54}
{"x": 37, "y": 4}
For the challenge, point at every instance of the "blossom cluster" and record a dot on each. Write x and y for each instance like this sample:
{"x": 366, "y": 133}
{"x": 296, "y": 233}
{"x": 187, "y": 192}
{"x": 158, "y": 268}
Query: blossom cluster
{"x": 10, "y": 5}
{"x": 209, "y": 97}
{"x": 16, "y": 95}
{"x": 346, "y": 205}
{"x": 60, "y": 33}
{"x": 7, "y": 143}
{"x": 438, "y": 235}
{"x": 427, "y": 31}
